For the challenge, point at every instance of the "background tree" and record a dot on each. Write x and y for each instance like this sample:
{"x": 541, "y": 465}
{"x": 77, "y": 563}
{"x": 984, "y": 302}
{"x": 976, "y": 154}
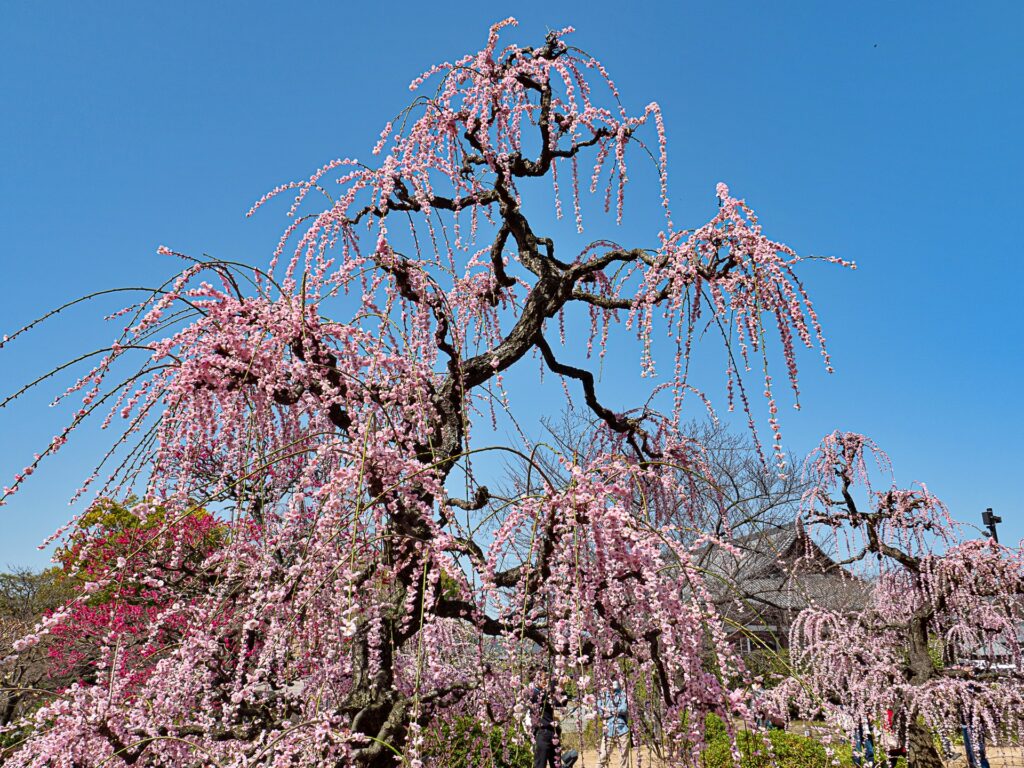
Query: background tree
{"x": 735, "y": 492}
{"x": 26, "y": 679}
{"x": 938, "y": 602}
{"x": 325, "y": 406}
{"x": 111, "y": 543}
{"x": 725, "y": 489}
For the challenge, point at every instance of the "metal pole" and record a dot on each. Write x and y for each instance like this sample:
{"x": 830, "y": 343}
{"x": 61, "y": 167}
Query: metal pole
{"x": 990, "y": 520}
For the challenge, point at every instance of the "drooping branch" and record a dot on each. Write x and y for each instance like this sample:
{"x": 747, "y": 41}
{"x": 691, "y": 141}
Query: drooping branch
{"x": 355, "y": 546}
{"x": 631, "y": 428}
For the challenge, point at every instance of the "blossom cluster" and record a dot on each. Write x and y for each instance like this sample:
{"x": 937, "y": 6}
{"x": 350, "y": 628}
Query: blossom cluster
{"x": 292, "y": 579}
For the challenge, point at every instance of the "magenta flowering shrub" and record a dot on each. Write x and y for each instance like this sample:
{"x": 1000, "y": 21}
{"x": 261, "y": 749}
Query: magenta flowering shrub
{"x": 323, "y": 409}
{"x": 939, "y": 641}
{"x": 144, "y": 562}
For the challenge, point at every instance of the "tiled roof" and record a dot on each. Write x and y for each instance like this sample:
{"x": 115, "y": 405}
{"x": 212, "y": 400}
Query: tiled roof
{"x": 779, "y": 568}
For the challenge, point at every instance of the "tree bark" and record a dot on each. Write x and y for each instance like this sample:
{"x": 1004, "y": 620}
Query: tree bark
{"x": 923, "y": 753}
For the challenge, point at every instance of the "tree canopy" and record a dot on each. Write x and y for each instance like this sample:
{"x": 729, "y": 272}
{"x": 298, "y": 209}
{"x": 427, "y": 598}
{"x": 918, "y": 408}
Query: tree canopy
{"x": 296, "y": 579}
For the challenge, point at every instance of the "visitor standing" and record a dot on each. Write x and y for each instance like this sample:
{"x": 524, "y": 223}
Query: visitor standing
{"x": 614, "y": 711}
{"x": 545, "y": 725}
{"x": 863, "y": 745}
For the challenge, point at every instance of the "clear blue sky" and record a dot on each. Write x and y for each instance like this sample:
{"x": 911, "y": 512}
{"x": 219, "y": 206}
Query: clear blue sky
{"x": 884, "y": 132}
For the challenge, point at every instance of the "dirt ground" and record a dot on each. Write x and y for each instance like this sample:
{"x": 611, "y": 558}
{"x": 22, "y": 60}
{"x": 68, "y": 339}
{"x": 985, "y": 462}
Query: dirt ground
{"x": 998, "y": 757}
{"x": 588, "y": 759}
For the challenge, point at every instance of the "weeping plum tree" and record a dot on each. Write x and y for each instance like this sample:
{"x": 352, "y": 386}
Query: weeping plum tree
{"x": 939, "y": 602}
{"x": 323, "y": 408}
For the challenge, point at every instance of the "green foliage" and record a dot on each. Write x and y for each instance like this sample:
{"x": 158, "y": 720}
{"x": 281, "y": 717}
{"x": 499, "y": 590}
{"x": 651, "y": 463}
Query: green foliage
{"x": 11, "y": 739}
{"x": 120, "y": 523}
{"x": 714, "y": 728}
{"x": 776, "y": 749}
{"x": 110, "y": 530}
{"x": 468, "y": 743}
{"x": 937, "y": 651}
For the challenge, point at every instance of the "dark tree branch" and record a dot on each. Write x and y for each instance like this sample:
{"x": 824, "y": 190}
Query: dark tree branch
{"x": 479, "y": 500}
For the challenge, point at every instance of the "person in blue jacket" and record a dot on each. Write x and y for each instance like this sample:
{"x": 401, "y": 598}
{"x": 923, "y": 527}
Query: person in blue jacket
{"x": 863, "y": 746}
{"x": 614, "y": 712}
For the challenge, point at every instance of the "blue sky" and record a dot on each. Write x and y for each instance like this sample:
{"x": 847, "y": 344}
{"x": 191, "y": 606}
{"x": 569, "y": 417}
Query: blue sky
{"x": 887, "y": 133}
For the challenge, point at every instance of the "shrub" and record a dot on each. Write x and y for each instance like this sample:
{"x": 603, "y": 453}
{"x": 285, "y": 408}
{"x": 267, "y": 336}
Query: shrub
{"x": 468, "y": 743}
{"x": 714, "y": 729}
{"x": 782, "y": 750}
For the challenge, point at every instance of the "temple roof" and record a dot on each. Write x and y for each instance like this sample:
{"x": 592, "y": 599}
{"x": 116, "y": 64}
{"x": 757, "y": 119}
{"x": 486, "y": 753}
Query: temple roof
{"x": 779, "y": 568}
